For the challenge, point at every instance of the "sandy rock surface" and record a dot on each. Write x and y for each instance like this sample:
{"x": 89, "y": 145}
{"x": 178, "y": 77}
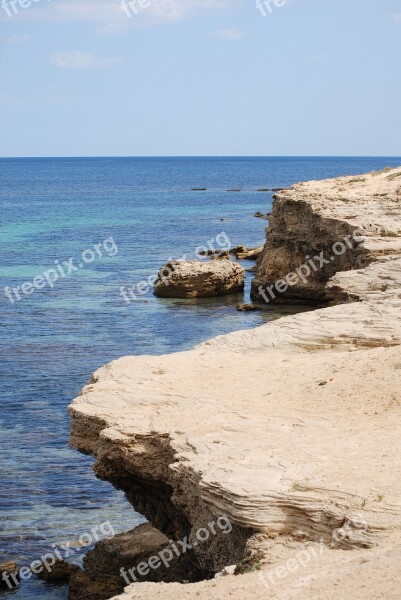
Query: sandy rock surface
{"x": 292, "y": 431}
{"x": 315, "y": 217}
{"x": 197, "y": 279}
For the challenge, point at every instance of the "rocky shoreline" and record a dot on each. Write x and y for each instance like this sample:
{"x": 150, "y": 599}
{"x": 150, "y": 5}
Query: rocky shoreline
{"x": 290, "y": 431}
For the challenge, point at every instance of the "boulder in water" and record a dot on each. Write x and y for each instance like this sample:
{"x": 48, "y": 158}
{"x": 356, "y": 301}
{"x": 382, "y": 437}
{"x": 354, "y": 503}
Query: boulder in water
{"x": 196, "y": 279}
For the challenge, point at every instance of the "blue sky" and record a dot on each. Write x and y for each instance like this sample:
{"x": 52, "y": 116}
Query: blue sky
{"x": 200, "y": 77}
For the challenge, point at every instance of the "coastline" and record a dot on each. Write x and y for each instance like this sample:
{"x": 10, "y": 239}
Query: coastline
{"x": 251, "y": 447}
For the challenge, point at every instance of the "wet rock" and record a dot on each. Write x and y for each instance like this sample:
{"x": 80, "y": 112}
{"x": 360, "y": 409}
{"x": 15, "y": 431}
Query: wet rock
{"x": 237, "y": 249}
{"x": 260, "y": 215}
{"x": 60, "y": 572}
{"x": 264, "y": 190}
{"x": 252, "y": 254}
{"x": 248, "y": 307}
{"x": 210, "y": 252}
{"x": 243, "y": 253}
{"x": 234, "y": 190}
{"x": 199, "y": 189}
{"x": 196, "y": 279}
{"x": 9, "y": 575}
{"x": 89, "y": 587}
{"x": 222, "y": 255}
{"x": 116, "y": 562}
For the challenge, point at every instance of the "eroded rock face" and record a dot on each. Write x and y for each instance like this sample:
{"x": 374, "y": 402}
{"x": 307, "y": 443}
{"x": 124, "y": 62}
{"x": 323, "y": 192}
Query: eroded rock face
{"x": 312, "y": 219}
{"x": 291, "y": 431}
{"x": 196, "y": 279}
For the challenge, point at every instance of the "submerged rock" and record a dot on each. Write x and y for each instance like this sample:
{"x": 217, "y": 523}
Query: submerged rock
{"x": 260, "y": 215}
{"x": 237, "y": 250}
{"x": 248, "y": 307}
{"x": 213, "y": 253}
{"x": 220, "y": 256}
{"x": 60, "y": 572}
{"x": 196, "y": 279}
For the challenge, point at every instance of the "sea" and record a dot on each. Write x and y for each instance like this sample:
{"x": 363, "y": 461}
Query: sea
{"x": 76, "y": 234}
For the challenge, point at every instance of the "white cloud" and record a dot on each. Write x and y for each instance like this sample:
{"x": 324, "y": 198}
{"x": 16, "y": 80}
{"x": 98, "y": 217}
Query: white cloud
{"x": 228, "y": 34}
{"x": 175, "y": 10}
{"x": 82, "y": 60}
{"x": 110, "y": 16}
{"x": 396, "y": 18}
{"x": 18, "y": 39}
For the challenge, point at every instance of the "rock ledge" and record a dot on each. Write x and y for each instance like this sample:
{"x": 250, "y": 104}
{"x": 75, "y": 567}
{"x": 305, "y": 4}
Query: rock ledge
{"x": 292, "y": 431}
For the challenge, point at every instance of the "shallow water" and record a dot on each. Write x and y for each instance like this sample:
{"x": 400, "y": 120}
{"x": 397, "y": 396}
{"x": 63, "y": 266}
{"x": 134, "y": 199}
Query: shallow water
{"x": 52, "y": 340}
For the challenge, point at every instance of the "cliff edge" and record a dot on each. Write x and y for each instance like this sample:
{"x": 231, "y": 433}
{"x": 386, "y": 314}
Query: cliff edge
{"x": 312, "y": 221}
{"x": 291, "y": 432}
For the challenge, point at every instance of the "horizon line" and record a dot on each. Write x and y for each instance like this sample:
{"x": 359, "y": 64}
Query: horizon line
{"x": 153, "y": 156}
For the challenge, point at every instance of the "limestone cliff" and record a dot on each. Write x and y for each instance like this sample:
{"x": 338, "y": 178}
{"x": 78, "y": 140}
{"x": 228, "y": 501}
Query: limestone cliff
{"x": 291, "y": 431}
{"x": 322, "y": 218}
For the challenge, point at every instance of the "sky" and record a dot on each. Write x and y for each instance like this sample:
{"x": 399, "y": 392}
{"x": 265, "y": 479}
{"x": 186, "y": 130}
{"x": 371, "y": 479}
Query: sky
{"x": 200, "y": 77}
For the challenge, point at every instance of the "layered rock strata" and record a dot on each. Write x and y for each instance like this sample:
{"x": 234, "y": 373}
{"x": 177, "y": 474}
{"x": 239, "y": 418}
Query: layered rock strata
{"x": 313, "y": 219}
{"x": 291, "y": 431}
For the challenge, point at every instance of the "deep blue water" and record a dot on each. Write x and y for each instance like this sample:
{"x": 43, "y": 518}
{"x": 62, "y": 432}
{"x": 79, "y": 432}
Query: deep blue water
{"x": 54, "y": 338}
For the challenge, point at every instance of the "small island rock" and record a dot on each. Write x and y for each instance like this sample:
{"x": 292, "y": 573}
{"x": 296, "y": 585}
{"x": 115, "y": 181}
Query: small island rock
{"x": 197, "y": 279}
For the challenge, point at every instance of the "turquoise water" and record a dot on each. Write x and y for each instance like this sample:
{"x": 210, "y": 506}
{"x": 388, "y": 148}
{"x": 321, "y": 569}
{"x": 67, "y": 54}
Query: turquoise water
{"x": 55, "y": 337}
